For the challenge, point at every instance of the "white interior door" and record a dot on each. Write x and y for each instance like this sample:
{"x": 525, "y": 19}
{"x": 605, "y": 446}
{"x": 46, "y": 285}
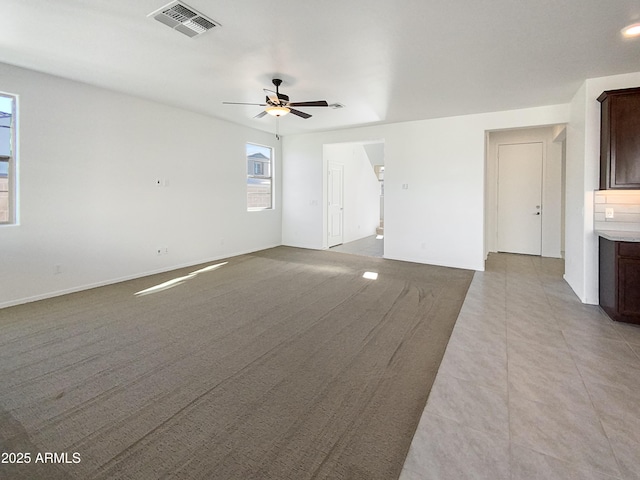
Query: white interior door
{"x": 336, "y": 204}
{"x": 520, "y": 198}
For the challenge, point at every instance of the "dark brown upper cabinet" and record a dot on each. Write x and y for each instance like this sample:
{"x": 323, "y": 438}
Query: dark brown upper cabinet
{"x": 620, "y": 139}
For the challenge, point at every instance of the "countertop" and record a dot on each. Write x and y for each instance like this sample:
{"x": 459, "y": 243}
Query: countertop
{"x": 619, "y": 235}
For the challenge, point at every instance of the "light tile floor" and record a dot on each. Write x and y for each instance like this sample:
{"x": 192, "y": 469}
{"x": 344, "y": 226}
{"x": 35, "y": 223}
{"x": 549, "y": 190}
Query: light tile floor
{"x": 533, "y": 385}
{"x": 368, "y": 246}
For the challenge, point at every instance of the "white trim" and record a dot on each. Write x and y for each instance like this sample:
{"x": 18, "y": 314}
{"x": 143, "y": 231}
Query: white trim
{"x": 112, "y": 281}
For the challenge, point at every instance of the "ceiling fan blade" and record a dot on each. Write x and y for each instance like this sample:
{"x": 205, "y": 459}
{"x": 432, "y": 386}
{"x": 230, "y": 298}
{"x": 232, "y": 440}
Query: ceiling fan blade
{"x": 317, "y": 103}
{"x": 261, "y": 114}
{"x": 299, "y": 113}
{"x": 272, "y": 100}
{"x": 273, "y": 95}
{"x": 243, "y": 103}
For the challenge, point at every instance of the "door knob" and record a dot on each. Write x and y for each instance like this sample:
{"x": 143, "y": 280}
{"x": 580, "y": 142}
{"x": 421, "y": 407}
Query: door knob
{"x": 537, "y": 213}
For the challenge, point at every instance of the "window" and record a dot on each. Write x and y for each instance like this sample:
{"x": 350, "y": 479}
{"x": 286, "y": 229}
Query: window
{"x": 259, "y": 177}
{"x": 7, "y": 159}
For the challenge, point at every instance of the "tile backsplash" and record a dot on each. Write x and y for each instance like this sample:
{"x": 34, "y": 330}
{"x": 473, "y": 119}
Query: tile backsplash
{"x": 625, "y": 205}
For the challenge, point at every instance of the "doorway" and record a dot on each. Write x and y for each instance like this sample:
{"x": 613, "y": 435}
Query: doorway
{"x": 354, "y": 215}
{"x": 542, "y": 234}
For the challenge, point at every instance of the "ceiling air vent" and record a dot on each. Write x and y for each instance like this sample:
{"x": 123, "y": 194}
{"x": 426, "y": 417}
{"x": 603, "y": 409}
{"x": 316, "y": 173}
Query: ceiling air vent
{"x": 184, "y": 19}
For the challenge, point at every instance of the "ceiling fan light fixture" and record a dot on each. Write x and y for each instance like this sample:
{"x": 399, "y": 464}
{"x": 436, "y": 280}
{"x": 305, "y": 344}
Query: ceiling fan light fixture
{"x": 277, "y": 111}
{"x": 631, "y": 30}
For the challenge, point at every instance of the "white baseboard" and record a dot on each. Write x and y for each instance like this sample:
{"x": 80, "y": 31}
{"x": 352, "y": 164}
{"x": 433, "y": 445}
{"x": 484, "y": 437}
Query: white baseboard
{"x": 111, "y": 281}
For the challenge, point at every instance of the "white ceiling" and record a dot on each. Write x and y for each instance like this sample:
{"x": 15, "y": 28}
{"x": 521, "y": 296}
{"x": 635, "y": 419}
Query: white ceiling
{"x": 387, "y": 61}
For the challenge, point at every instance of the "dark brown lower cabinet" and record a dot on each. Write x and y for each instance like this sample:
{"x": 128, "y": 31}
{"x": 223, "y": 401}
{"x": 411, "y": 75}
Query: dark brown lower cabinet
{"x": 620, "y": 280}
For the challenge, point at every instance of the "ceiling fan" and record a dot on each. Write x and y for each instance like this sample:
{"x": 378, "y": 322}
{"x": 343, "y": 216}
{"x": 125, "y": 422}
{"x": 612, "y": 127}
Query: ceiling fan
{"x": 278, "y": 104}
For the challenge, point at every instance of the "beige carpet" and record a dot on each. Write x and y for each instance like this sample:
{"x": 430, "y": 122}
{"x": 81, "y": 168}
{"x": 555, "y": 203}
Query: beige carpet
{"x": 282, "y": 364}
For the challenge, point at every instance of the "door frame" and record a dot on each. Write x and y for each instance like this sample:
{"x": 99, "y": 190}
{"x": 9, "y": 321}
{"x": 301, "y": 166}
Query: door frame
{"x": 552, "y": 137}
{"x": 331, "y": 165}
{"x": 325, "y": 184}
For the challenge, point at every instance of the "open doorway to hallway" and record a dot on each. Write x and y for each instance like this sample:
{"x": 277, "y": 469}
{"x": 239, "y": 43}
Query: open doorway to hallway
{"x": 525, "y": 191}
{"x": 371, "y": 246}
{"x": 355, "y": 197}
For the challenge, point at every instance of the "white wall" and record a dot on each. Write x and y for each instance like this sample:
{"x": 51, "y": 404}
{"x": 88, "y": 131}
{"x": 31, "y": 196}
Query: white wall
{"x": 88, "y": 201}
{"x": 361, "y": 205}
{"x": 89, "y": 159}
{"x": 583, "y": 161}
{"x": 551, "y": 185}
{"x": 575, "y": 195}
{"x": 439, "y": 218}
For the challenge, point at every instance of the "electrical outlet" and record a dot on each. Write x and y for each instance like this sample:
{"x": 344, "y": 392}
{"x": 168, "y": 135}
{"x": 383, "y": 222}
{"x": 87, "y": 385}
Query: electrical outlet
{"x": 608, "y": 212}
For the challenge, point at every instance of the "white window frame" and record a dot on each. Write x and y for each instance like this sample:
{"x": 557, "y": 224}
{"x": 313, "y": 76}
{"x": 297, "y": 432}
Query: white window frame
{"x": 12, "y": 163}
{"x": 252, "y": 177}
